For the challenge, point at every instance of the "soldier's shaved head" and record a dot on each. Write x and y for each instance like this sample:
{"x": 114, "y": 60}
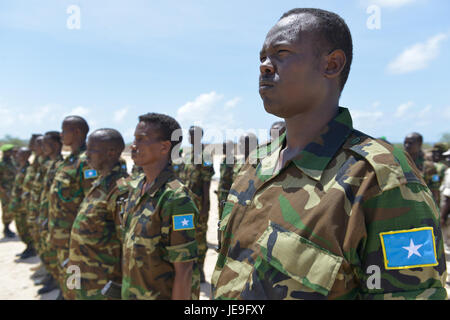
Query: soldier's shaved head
{"x": 111, "y": 137}
{"x": 77, "y": 122}
{"x": 416, "y": 136}
{"x": 53, "y": 136}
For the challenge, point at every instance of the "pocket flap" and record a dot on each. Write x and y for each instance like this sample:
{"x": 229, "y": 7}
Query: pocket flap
{"x": 299, "y": 258}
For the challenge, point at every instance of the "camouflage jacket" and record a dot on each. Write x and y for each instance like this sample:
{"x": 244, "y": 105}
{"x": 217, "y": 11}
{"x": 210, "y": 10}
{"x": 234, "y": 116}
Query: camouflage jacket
{"x": 94, "y": 240}
{"x": 29, "y": 178}
{"x": 17, "y": 201}
{"x": 52, "y": 167}
{"x": 342, "y": 220}
{"x": 159, "y": 229}
{"x": 72, "y": 181}
{"x": 37, "y": 185}
{"x": 194, "y": 175}
{"x": 226, "y": 176}
{"x": 7, "y": 176}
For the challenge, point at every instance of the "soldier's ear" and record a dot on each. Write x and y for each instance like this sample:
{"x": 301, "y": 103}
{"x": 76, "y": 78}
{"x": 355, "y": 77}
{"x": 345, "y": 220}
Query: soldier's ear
{"x": 165, "y": 147}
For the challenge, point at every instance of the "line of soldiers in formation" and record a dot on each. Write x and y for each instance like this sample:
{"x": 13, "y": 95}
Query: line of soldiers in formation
{"x": 84, "y": 210}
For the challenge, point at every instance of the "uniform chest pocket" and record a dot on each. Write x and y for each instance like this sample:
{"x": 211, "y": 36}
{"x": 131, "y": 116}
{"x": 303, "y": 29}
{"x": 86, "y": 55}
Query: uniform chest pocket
{"x": 299, "y": 259}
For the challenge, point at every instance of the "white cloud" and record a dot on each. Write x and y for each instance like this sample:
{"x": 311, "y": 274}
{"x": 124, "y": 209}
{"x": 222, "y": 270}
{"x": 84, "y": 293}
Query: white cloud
{"x": 232, "y": 103}
{"x": 79, "y": 111}
{"x": 418, "y": 56}
{"x": 366, "y": 119}
{"x": 120, "y": 114}
{"x": 209, "y": 111}
{"x": 392, "y": 3}
{"x": 403, "y": 109}
{"x": 446, "y": 113}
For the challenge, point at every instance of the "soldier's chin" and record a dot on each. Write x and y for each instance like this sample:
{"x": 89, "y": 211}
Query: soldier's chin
{"x": 273, "y": 109}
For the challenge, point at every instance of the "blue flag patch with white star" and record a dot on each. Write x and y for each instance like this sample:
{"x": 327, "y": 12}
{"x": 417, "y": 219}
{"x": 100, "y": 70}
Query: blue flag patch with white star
{"x": 90, "y": 174}
{"x": 183, "y": 222}
{"x": 412, "y": 248}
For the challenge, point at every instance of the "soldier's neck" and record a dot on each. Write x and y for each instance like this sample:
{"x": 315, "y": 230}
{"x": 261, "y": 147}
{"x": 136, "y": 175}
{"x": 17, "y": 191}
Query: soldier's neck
{"x": 77, "y": 146}
{"x": 153, "y": 170}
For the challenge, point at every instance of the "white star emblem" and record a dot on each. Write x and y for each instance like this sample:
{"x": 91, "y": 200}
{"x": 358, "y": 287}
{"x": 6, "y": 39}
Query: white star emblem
{"x": 413, "y": 249}
{"x": 184, "y": 222}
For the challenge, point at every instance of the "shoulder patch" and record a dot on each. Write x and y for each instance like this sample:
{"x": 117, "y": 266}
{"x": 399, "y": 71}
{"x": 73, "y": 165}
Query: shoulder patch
{"x": 183, "y": 222}
{"x": 90, "y": 174}
{"x": 387, "y": 167}
{"x": 406, "y": 249}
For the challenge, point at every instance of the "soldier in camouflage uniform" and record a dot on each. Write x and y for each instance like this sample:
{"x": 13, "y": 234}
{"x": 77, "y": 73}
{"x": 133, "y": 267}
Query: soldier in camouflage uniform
{"x": 30, "y": 173}
{"x": 178, "y": 163}
{"x": 95, "y": 245}
{"x": 226, "y": 174}
{"x": 51, "y": 147}
{"x": 247, "y": 144}
{"x": 197, "y": 176}
{"x": 7, "y": 176}
{"x": 436, "y": 173}
{"x": 328, "y": 212}
{"x": 72, "y": 181}
{"x": 159, "y": 247}
{"x": 35, "y": 194}
{"x": 17, "y": 205}
{"x": 413, "y": 146}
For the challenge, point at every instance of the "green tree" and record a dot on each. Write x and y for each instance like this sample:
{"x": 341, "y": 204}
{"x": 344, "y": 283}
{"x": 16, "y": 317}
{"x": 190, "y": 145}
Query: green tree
{"x": 13, "y": 140}
{"x": 446, "y": 138}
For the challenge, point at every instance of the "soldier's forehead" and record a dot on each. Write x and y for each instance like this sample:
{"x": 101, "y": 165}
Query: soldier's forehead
{"x": 291, "y": 29}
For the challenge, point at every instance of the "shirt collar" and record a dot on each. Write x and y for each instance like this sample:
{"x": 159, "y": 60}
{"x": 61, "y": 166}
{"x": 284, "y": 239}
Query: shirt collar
{"x": 314, "y": 158}
{"x": 162, "y": 178}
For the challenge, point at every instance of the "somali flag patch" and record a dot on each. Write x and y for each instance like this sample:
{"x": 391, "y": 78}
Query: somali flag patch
{"x": 406, "y": 249}
{"x": 183, "y": 222}
{"x": 90, "y": 174}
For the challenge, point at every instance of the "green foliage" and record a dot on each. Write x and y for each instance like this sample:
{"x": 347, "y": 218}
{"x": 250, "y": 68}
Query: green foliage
{"x": 445, "y": 138}
{"x": 13, "y": 140}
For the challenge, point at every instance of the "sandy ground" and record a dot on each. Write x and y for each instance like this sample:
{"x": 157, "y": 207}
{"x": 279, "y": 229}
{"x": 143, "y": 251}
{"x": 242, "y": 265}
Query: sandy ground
{"x": 15, "y": 274}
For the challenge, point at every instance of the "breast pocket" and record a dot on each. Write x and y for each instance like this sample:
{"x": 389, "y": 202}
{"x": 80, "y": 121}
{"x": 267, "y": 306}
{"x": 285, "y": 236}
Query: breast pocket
{"x": 305, "y": 270}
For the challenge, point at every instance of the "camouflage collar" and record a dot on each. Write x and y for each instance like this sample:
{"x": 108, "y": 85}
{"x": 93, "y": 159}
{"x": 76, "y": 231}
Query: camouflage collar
{"x": 162, "y": 178}
{"x": 79, "y": 152}
{"x": 314, "y": 158}
{"x": 105, "y": 181}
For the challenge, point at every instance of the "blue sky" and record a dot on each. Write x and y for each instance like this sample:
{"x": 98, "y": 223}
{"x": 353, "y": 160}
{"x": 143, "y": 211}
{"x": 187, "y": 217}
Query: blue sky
{"x": 199, "y": 62}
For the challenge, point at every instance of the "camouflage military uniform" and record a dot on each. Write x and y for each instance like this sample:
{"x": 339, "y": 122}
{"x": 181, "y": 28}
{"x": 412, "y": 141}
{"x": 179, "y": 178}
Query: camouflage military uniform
{"x": 136, "y": 171}
{"x": 151, "y": 242}
{"x": 94, "y": 240}
{"x": 34, "y": 202}
{"x": 225, "y": 182}
{"x": 420, "y": 161}
{"x": 48, "y": 252}
{"x": 18, "y": 206}
{"x": 72, "y": 181}
{"x": 193, "y": 176}
{"x": 434, "y": 173}
{"x": 7, "y": 176}
{"x": 27, "y": 187}
{"x": 178, "y": 168}
{"x": 321, "y": 226}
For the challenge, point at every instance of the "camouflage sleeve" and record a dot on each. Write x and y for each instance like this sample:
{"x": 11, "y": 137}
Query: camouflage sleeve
{"x": 179, "y": 215}
{"x": 402, "y": 255}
